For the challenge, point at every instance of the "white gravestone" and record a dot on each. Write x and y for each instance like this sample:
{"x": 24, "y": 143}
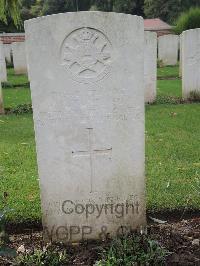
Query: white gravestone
{"x": 190, "y": 62}
{"x": 180, "y": 55}
{"x": 7, "y": 52}
{"x": 150, "y": 66}
{"x": 19, "y": 57}
{"x": 168, "y": 46}
{"x": 1, "y": 101}
{"x": 86, "y": 73}
{"x": 3, "y": 71}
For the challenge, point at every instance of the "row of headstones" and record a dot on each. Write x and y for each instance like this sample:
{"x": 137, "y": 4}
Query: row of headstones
{"x": 87, "y": 86}
{"x": 15, "y": 54}
{"x": 167, "y": 53}
{"x": 168, "y": 47}
{"x": 12, "y": 53}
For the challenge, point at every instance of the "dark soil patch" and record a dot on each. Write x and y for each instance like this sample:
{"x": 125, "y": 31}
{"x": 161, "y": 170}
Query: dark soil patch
{"x": 181, "y": 238}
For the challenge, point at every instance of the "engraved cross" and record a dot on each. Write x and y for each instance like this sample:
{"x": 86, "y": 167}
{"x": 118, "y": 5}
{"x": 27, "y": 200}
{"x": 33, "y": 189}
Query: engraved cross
{"x": 91, "y": 153}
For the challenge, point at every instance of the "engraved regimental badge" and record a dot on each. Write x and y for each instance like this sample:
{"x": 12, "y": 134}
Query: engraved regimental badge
{"x": 86, "y": 55}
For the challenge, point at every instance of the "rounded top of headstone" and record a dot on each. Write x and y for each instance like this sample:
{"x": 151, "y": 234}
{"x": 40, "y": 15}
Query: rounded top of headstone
{"x": 168, "y": 36}
{"x": 191, "y": 30}
{"x": 81, "y": 14}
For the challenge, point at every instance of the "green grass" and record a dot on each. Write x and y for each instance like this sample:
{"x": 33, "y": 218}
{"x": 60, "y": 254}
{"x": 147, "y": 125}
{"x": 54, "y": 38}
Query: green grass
{"x": 169, "y": 88}
{"x": 14, "y": 91}
{"x": 172, "y": 155}
{"x": 18, "y": 172}
{"x": 15, "y": 80}
{"x": 168, "y": 71}
{"x": 172, "y": 158}
{"x": 15, "y": 97}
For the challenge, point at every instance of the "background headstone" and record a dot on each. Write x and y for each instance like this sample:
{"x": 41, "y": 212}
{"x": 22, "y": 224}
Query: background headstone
{"x": 168, "y": 49}
{"x": 19, "y": 57}
{"x": 86, "y": 72}
{"x": 180, "y": 56}
{"x": 7, "y": 52}
{"x": 150, "y": 65}
{"x": 190, "y": 62}
{"x": 1, "y": 101}
{"x": 3, "y": 71}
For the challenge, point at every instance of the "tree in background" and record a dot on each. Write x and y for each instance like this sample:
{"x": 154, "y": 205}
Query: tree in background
{"x": 60, "y": 6}
{"x": 102, "y": 5}
{"x": 126, "y": 6}
{"x": 26, "y": 9}
{"x": 188, "y": 20}
{"x": 36, "y": 8}
{"x": 168, "y": 10}
{"x": 10, "y": 9}
{"x": 134, "y": 7}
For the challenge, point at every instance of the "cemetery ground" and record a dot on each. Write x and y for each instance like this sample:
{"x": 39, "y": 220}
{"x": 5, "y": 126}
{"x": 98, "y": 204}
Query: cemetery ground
{"x": 172, "y": 171}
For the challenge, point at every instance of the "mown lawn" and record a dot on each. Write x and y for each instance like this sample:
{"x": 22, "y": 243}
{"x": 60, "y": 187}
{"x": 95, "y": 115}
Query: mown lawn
{"x": 169, "y": 88}
{"x": 172, "y": 155}
{"x": 16, "y": 96}
{"x": 168, "y": 71}
{"x": 15, "y": 80}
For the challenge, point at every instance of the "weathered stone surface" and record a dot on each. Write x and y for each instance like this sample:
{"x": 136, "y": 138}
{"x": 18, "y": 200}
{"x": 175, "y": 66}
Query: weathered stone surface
{"x": 86, "y": 73}
{"x": 150, "y": 65}
{"x": 3, "y": 71}
{"x": 7, "y": 52}
{"x": 168, "y": 49}
{"x": 190, "y": 62}
{"x": 19, "y": 57}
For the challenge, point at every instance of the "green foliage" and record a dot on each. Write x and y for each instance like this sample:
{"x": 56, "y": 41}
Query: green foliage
{"x": 50, "y": 256}
{"x": 104, "y": 5}
{"x": 126, "y": 6}
{"x": 20, "y": 109}
{"x": 60, "y": 6}
{"x": 168, "y": 10}
{"x": 195, "y": 96}
{"x": 123, "y": 6}
{"x": 160, "y": 63}
{"x": 133, "y": 250}
{"x": 188, "y": 20}
{"x": 36, "y": 8}
{"x": 11, "y": 9}
{"x": 168, "y": 100}
{"x": 4, "y": 237}
{"x": 28, "y": 9}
